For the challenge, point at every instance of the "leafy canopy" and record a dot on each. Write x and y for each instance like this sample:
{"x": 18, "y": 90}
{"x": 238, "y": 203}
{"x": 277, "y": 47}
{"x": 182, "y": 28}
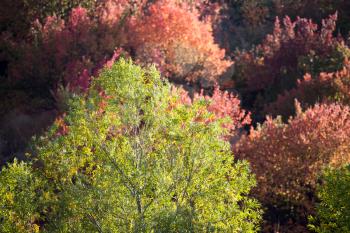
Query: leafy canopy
{"x": 333, "y": 213}
{"x": 130, "y": 157}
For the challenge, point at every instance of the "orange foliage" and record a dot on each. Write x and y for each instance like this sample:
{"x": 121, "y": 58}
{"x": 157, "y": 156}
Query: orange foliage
{"x": 171, "y": 35}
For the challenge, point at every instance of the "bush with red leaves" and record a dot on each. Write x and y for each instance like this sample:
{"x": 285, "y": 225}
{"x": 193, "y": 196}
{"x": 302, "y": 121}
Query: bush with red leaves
{"x": 16, "y": 16}
{"x": 293, "y": 49}
{"x": 223, "y": 105}
{"x": 172, "y": 36}
{"x": 324, "y": 87}
{"x": 69, "y": 52}
{"x": 166, "y": 33}
{"x": 288, "y": 157}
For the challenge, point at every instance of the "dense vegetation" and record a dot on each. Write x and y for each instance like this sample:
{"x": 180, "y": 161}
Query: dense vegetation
{"x": 333, "y": 211}
{"x": 130, "y": 157}
{"x": 248, "y": 118}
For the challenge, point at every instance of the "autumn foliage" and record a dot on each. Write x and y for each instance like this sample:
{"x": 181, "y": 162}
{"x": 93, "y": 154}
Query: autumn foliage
{"x": 293, "y": 49}
{"x": 287, "y": 158}
{"x": 69, "y": 52}
{"x": 141, "y": 165}
{"x": 172, "y": 36}
{"x": 325, "y": 87}
{"x": 65, "y": 52}
{"x": 284, "y": 71}
{"x": 223, "y": 105}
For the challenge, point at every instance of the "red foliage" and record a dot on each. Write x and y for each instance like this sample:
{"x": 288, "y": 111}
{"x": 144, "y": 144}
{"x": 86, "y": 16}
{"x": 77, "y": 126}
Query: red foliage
{"x": 62, "y": 127}
{"x": 171, "y": 35}
{"x": 164, "y": 33}
{"x": 67, "y": 52}
{"x": 293, "y": 49}
{"x": 222, "y": 104}
{"x": 330, "y": 87}
{"x": 287, "y": 158}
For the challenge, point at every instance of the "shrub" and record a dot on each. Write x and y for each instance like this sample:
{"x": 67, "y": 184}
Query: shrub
{"x": 171, "y": 35}
{"x": 333, "y": 212}
{"x": 69, "y": 51}
{"x": 326, "y": 87}
{"x": 16, "y": 16}
{"x": 287, "y": 158}
{"x": 64, "y": 52}
{"x": 244, "y": 23}
{"x": 129, "y": 157}
{"x": 315, "y": 10}
{"x": 285, "y": 56}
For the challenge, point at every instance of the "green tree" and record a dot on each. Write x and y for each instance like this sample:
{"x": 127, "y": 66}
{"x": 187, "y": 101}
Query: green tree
{"x": 130, "y": 157}
{"x": 333, "y": 212}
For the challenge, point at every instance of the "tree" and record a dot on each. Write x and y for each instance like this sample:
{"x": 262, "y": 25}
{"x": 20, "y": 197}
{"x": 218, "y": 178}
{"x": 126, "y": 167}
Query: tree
{"x": 288, "y": 157}
{"x": 324, "y": 87}
{"x": 130, "y": 157}
{"x": 172, "y": 36}
{"x": 16, "y": 16}
{"x": 66, "y": 52}
{"x": 333, "y": 211}
{"x": 292, "y": 50}
{"x": 223, "y": 105}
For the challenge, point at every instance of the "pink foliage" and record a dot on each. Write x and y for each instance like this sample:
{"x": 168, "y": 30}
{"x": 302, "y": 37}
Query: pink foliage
{"x": 111, "y": 11}
{"x": 222, "y": 104}
{"x": 334, "y": 86}
{"x": 166, "y": 33}
{"x": 172, "y": 36}
{"x": 70, "y": 52}
{"x": 293, "y": 49}
{"x": 287, "y": 158}
{"x": 283, "y": 49}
